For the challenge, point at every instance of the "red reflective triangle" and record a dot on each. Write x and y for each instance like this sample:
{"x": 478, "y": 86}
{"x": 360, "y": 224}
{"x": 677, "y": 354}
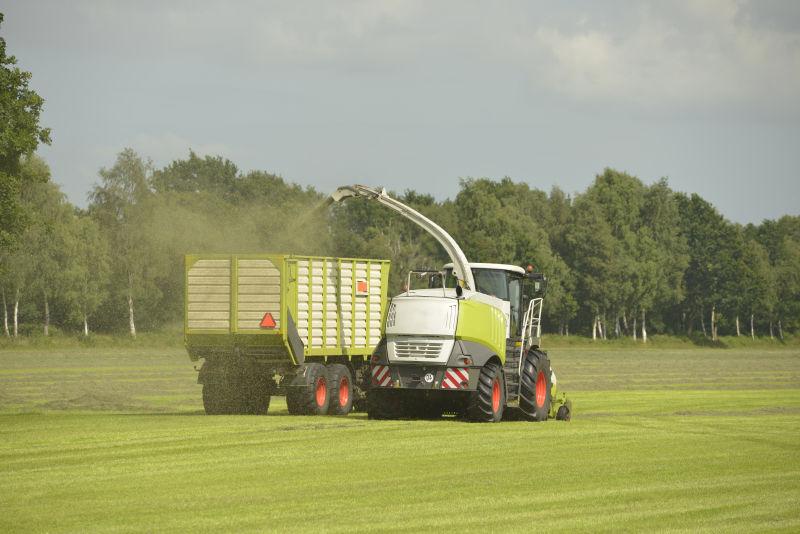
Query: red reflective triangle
{"x": 268, "y": 321}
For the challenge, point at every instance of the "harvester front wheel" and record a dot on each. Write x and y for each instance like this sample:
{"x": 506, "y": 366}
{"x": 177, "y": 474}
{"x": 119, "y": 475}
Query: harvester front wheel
{"x": 341, "y": 386}
{"x": 535, "y": 387}
{"x": 486, "y": 404}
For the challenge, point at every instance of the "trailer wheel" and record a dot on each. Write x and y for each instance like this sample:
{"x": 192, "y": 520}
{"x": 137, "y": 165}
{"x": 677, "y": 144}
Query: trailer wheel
{"x": 341, "y": 389}
{"x": 384, "y": 404}
{"x": 486, "y": 404}
{"x": 535, "y": 387}
{"x": 316, "y": 395}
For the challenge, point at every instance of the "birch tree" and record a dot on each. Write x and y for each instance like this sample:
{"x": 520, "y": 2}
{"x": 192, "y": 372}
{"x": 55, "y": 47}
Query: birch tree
{"x": 119, "y": 204}
{"x": 89, "y": 269}
{"x": 46, "y": 237}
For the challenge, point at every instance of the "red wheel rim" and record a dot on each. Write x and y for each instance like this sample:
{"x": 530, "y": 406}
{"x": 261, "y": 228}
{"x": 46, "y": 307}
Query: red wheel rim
{"x": 495, "y": 395}
{"x": 321, "y": 391}
{"x": 344, "y": 391}
{"x": 541, "y": 389}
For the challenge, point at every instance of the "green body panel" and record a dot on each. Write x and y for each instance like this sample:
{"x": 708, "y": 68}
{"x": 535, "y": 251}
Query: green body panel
{"x": 273, "y": 344}
{"x": 484, "y": 324}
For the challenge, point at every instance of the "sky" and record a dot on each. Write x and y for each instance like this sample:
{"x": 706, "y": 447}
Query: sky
{"x": 418, "y": 94}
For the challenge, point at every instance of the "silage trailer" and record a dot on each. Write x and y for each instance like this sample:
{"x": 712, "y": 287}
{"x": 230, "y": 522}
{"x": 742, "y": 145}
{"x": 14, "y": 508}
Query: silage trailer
{"x": 278, "y": 324}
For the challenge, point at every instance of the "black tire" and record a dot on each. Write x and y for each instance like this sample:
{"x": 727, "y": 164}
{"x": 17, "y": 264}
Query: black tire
{"x": 535, "y": 387}
{"x": 313, "y": 398}
{"x": 340, "y": 383}
{"x": 487, "y": 403}
{"x": 564, "y": 413}
{"x": 384, "y": 404}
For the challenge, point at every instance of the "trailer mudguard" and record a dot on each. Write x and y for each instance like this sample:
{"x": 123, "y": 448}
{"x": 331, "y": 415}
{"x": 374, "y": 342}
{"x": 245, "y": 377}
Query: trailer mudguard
{"x": 294, "y": 341}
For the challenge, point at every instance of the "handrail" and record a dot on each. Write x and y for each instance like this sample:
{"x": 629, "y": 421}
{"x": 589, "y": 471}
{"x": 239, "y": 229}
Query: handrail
{"x": 424, "y": 271}
{"x": 531, "y": 322}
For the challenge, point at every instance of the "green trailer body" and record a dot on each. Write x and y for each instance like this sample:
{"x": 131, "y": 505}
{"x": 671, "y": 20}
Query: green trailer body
{"x": 260, "y": 321}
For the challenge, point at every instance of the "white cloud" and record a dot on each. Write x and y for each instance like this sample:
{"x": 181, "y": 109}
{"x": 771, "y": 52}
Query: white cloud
{"x": 691, "y": 53}
{"x": 703, "y": 54}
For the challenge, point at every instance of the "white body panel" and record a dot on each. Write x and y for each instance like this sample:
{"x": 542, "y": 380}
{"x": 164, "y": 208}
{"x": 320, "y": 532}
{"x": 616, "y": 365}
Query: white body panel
{"x": 422, "y": 316}
{"x": 258, "y": 291}
{"x": 421, "y": 328}
{"x": 421, "y": 324}
{"x": 208, "y": 287}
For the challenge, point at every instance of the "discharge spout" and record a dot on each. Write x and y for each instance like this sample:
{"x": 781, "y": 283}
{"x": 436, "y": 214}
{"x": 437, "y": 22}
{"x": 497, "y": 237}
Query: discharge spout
{"x": 460, "y": 263}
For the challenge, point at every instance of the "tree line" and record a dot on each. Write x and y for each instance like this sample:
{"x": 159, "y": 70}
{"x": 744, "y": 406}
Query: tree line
{"x": 623, "y": 258}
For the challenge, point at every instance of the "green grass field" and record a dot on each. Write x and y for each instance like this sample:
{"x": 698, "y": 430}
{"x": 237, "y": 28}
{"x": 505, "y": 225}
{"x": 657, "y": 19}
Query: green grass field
{"x": 102, "y": 439}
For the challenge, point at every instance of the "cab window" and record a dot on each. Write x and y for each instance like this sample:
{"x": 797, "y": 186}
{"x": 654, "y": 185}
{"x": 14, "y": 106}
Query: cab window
{"x": 491, "y": 282}
{"x": 515, "y": 299}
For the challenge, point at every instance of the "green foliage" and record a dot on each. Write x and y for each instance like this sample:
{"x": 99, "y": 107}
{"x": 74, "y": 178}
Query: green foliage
{"x": 88, "y": 270}
{"x": 20, "y": 134}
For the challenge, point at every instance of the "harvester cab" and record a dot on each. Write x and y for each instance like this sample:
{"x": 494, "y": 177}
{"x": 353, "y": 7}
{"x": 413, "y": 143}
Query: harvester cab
{"x": 468, "y": 345}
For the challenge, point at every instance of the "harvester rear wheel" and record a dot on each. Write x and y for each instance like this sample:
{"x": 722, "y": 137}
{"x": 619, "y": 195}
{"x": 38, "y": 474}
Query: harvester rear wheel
{"x": 341, "y": 386}
{"x": 535, "y": 387}
{"x": 487, "y": 402}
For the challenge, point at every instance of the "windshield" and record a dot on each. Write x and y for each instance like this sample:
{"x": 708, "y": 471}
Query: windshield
{"x": 499, "y": 283}
{"x": 491, "y": 282}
